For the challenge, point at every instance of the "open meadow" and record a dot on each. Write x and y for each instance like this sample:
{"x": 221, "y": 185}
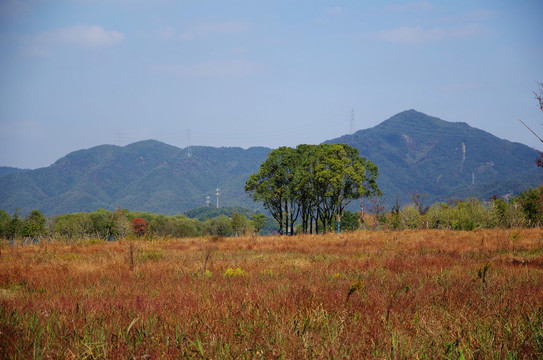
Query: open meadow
{"x": 383, "y": 294}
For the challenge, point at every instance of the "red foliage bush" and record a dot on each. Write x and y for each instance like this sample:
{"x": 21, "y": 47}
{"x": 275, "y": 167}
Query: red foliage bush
{"x": 139, "y": 226}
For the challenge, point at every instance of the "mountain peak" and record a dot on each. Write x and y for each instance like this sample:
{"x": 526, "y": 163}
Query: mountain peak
{"x": 413, "y": 118}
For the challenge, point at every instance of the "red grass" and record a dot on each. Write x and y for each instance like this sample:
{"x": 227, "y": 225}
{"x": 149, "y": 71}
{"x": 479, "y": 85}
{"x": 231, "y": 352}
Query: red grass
{"x": 413, "y": 294}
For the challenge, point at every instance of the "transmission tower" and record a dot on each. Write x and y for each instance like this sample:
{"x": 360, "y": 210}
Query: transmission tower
{"x": 218, "y": 194}
{"x": 208, "y": 200}
{"x": 188, "y": 151}
{"x": 352, "y": 122}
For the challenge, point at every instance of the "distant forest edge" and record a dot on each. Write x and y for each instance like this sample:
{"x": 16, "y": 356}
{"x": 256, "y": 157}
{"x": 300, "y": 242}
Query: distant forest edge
{"x": 414, "y": 152}
{"x": 523, "y": 210}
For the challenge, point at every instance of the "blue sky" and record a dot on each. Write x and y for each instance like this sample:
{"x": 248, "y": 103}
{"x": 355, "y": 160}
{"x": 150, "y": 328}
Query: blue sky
{"x": 76, "y": 74}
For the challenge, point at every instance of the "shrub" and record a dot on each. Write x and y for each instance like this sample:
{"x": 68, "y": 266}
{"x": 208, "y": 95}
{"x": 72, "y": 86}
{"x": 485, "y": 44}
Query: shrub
{"x": 410, "y": 217}
{"x": 139, "y": 226}
{"x": 220, "y": 226}
{"x": 471, "y": 214}
{"x": 439, "y": 216}
{"x": 508, "y": 215}
{"x": 531, "y": 201}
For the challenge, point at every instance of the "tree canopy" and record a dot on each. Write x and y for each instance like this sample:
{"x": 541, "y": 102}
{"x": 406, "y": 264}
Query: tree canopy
{"x": 315, "y": 182}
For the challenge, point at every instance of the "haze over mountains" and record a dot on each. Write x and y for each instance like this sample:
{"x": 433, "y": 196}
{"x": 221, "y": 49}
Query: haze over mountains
{"x": 414, "y": 152}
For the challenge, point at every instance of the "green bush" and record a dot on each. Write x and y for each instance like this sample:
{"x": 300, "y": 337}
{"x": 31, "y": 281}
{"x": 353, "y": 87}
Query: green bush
{"x": 508, "y": 215}
{"x": 220, "y": 226}
{"x": 531, "y": 202}
{"x": 410, "y": 217}
{"x": 439, "y": 216}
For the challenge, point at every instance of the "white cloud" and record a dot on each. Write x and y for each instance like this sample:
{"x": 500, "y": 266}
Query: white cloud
{"x": 218, "y": 28}
{"x": 214, "y": 69}
{"x": 418, "y": 34}
{"x": 42, "y": 43}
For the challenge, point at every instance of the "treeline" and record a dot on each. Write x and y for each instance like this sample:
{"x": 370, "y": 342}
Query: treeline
{"x": 523, "y": 210}
{"x": 111, "y": 225}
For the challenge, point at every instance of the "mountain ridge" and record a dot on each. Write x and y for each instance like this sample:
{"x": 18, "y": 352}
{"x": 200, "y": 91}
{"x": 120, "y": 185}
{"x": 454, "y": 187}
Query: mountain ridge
{"x": 414, "y": 152}
{"x": 418, "y": 146}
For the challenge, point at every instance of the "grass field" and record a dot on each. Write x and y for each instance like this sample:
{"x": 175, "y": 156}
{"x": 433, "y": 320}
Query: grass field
{"x": 384, "y": 295}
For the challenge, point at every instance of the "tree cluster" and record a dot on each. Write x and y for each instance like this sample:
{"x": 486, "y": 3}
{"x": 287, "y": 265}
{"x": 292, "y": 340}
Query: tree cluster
{"x": 523, "y": 210}
{"x": 313, "y": 183}
{"x": 111, "y": 225}
{"x": 33, "y": 226}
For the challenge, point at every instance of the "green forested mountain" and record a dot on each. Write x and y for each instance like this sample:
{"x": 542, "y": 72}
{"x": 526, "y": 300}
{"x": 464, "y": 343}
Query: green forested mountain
{"x": 413, "y": 151}
{"x": 147, "y": 176}
{"x": 417, "y": 152}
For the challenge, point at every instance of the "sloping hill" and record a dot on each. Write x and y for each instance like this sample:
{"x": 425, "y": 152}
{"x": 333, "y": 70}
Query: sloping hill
{"x": 6, "y": 170}
{"x": 417, "y": 152}
{"x": 147, "y": 175}
{"x": 414, "y": 152}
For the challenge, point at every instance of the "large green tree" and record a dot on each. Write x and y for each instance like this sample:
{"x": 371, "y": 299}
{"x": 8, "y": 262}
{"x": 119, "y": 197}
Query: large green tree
{"x": 316, "y": 181}
{"x": 273, "y": 186}
{"x": 341, "y": 176}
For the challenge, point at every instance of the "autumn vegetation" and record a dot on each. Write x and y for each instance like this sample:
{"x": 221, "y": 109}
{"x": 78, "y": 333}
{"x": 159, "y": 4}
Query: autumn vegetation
{"x": 363, "y": 294}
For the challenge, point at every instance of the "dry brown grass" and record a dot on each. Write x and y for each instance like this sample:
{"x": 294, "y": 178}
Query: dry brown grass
{"x": 433, "y": 294}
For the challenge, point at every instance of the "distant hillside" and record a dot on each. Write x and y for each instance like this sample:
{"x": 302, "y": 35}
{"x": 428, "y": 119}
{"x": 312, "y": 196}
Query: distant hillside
{"x": 147, "y": 176}
{"x": 6, "y": 170}
{"x": 414, "y": 152}
{"x": 417, "y": 152}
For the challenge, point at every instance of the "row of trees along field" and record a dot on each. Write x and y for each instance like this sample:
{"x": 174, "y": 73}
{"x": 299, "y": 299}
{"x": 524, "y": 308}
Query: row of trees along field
{"x": 312, "y": 182}
{"x": 111, "y": 225}
{"x": 523, "y": 210}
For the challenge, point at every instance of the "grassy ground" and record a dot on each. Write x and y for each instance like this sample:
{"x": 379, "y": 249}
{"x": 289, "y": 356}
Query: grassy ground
{"x": 392, "y": 295}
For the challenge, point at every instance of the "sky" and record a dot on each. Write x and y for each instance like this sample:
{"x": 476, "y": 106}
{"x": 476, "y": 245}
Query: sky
{"x": 82, "y": 73}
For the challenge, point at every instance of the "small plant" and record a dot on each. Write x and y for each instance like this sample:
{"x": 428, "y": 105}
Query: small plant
{"x": 151, "y": 256}
{"x": 207, "y": 258}
{"x": 481, "y": 273}
{"x": 234, "y": 272}
{"x": 357, "y": 285}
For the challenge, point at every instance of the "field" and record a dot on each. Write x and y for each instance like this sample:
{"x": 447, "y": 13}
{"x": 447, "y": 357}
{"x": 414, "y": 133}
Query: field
{"x": 384, "y": 295}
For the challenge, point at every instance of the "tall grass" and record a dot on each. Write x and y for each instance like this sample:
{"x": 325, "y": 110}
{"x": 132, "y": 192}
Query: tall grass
{"x": 412, "y": 294}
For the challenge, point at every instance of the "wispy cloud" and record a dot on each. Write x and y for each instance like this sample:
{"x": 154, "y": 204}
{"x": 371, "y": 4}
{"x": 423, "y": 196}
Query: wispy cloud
{"x": 214, "y": 69}
{"x": 418, "y": 34}
{"x": 43, "y": 43}
{"x": 413, "y": 6}
{"x": 217, "y": 28}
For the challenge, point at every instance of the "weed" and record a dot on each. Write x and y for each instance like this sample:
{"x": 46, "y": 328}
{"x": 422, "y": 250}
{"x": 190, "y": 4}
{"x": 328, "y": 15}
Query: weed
{"x": 356, "y": 286}
{"x": 234, "y": 272}
{"x": 151, "y": 256}
{"x": 481, "y": 273}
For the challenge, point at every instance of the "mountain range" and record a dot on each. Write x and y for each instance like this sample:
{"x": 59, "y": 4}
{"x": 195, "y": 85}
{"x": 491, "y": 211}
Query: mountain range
{"x": 413, "y": 151}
